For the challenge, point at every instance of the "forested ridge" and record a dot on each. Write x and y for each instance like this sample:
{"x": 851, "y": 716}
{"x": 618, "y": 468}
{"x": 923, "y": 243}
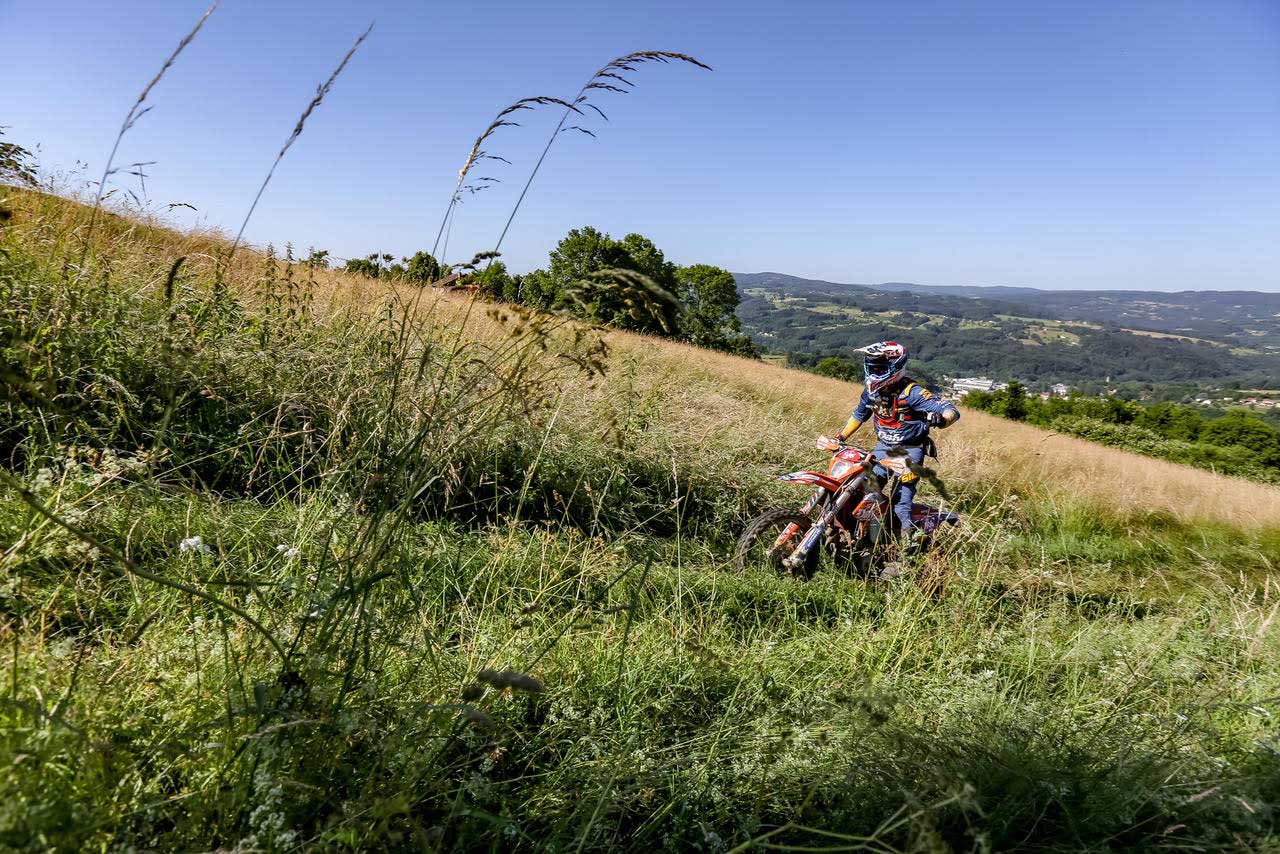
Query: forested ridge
{"x": 960, "y": 336}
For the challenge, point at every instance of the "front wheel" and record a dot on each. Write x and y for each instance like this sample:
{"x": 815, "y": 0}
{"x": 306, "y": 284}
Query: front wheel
{"x": 770, "y": 538}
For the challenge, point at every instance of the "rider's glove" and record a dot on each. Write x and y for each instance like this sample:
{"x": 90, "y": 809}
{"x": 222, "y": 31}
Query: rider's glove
{"x": 935, "y": 419}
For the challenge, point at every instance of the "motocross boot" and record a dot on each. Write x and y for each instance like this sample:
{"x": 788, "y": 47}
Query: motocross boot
{"x": 910, "y": 549}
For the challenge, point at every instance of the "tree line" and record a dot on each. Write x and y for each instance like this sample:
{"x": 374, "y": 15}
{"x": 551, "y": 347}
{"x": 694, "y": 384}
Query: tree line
{"x": 1237, "y": 443}
{"x": 627, "y": 284}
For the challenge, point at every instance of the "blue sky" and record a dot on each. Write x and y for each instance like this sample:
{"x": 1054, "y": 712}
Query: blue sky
{"x": 1081, "y": 144}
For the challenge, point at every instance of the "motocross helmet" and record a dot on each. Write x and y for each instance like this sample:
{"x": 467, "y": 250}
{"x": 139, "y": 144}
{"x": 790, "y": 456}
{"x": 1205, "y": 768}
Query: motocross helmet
{"x": 883, "y": 364}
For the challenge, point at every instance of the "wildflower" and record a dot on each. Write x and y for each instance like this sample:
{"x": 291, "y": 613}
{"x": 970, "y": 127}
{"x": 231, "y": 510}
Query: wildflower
{"x": 194, "y": 544}
{"x": 84, "y": 551}
{"x": 287, "y": 550}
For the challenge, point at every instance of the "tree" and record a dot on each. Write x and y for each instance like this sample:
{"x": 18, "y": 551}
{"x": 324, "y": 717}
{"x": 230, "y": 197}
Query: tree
{"x": 1015, "y": 401}
{"x": 630, "y": 284}
{"x": 493, "y": 281}
{"x": 710, "y": 298}
{"x": 1239, "y": 428}
{"x": 421, "y": 268}
{"x": 646, "y": 258}
{"x": 363, "y": 266}
{"x": 584, "y": 251}
{"x": 834, "y": 366}
{"x": 538, "y": 289}
{"x": 578, "y": 266}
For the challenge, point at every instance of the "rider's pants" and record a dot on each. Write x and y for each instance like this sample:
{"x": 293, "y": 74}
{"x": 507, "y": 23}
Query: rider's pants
{"x": 906, "y": 493}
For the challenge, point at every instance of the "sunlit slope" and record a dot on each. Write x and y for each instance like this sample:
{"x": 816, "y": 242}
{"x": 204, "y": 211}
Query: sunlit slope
{"x": 412, "y": 573}
{"x": 685, "y": 402}
{"x": 750, "y": 413}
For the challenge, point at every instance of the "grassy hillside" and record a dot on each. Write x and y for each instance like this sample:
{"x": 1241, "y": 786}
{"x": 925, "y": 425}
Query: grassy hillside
{"x": 305, "y": 562}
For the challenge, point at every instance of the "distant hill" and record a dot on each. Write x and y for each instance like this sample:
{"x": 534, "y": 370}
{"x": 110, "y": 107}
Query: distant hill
{"x": 1198, "y": 338}
{"x": 1247, "y": 319}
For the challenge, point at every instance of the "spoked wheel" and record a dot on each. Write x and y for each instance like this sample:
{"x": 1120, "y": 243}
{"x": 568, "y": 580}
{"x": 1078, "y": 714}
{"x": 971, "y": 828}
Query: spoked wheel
{"x": 770, "y": 538}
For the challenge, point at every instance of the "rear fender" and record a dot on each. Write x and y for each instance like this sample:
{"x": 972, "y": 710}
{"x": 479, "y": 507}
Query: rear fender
{"x": 930, "y": 519}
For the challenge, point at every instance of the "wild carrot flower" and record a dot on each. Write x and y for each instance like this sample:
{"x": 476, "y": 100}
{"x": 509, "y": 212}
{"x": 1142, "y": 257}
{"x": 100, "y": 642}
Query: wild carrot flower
{"x": 194, "y": 544}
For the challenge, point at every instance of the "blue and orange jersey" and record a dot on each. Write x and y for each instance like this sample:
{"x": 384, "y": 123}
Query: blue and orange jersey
{"x": 898, "y": 417}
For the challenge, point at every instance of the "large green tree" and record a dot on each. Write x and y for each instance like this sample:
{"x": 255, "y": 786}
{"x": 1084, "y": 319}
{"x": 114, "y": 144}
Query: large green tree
{"x": 421, "y": 268}
{"x": 1239, "y": 428}
{"x": 493, "y": 281}
{"x": 630, "y": 284}
{"x": 710, "y": 302}
{"x": 579, "y": 267}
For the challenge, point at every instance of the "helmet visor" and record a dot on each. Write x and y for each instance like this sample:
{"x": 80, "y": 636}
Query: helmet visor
{"x": 876, "y": 365}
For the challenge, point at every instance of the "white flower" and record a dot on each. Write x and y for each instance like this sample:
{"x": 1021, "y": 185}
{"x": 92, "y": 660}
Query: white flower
{"x": 287, "y": 550}
{"x": 194, "y": 544}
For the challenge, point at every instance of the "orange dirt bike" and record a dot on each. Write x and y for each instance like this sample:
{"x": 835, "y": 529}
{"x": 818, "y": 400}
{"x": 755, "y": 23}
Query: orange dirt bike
{"x": 849, "y": 516}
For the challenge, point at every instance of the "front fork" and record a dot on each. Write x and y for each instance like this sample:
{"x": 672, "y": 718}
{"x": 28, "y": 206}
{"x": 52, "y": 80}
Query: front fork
{"x": 790, "y": 531}
{"x": 811, "y": 539}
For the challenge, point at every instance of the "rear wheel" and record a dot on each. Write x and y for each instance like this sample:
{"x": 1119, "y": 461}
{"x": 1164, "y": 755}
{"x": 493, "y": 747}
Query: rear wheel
{"x": 770, "y": 538}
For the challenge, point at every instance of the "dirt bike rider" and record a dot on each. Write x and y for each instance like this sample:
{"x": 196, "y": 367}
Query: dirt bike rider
{"x": 903, "y": 411}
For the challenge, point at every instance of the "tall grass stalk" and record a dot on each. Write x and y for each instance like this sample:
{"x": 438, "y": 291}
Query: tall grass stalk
{"x": 321, "y": 91}
{"x": 136, "y": 112}
{"x": 606, "y": 79}
{"x": 478, "y": 153}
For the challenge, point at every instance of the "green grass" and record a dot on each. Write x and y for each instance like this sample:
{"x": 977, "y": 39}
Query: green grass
{"x": 1061, "y": 676}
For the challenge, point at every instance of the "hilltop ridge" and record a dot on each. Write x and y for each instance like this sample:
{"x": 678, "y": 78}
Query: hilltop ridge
{"x": 1249, "y": 318}
{"x": 1086, "y": 339}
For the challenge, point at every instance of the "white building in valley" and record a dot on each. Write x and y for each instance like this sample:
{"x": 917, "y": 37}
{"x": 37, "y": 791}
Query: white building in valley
{"x": 960, "y": 386}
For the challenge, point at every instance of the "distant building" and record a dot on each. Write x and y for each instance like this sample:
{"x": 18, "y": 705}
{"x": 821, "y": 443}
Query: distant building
{"x": 961, "y": 386}
{"x": 1059, "y": 390}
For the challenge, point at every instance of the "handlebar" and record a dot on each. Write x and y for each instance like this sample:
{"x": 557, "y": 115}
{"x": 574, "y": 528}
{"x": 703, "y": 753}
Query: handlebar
{"x": 826, "y": 443}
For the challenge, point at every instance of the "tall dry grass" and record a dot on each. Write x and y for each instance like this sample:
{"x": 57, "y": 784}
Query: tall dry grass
{"x": 743, "y": 402}
{"x": 735, "y": 402}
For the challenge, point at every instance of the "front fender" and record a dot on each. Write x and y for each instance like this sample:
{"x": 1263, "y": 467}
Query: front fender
{"x": 811, "y": 478}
